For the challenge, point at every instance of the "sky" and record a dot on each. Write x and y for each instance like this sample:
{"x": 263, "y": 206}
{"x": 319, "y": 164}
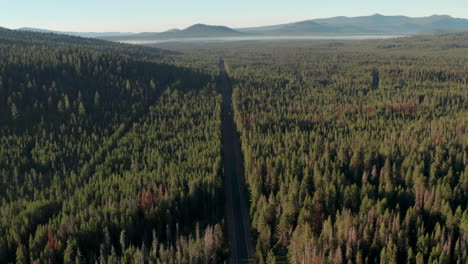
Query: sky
{"x": 161, "y": 15}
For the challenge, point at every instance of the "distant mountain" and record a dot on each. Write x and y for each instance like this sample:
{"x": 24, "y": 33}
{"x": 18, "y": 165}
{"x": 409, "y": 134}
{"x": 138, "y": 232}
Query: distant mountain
{"x": 78, "y": 34}
{"x": 194, "y": 31}
{"x": 307, "y": 27}
{"x": 375, "y": 24}
{"x": 376, "y": 19}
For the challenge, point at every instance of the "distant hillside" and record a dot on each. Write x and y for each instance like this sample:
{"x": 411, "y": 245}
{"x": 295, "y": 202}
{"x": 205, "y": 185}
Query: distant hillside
{"x": 195, "y": 31}
{"x": 300, "y": 27}
{"x": 307, "y": 27}
{"x": 79, "y": 34}
{"x": 39, "y": 30}
{"x": 375, "y": 24}
{"x": 30, "y": 38}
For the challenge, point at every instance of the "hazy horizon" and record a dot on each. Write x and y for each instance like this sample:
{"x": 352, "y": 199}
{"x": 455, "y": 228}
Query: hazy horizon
{"x": 262, "y": 38}
{"x": 158, "y": 16}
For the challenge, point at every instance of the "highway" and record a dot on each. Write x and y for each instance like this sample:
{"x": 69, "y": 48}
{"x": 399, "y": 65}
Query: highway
{"x": 237, "y": 213}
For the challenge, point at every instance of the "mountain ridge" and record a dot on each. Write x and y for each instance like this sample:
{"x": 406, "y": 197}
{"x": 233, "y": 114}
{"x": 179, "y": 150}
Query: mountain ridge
{"x": 194, "y": 31}
{"x": 373, "y": 24}
{"x": 376, "y": 24}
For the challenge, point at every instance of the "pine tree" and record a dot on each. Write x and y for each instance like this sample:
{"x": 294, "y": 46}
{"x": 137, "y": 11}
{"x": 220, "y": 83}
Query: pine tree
{"x": 122, "y": 240}
{"x": 97, "y": 99}
{"x": 70, "y": 253}
{"x": 152, "y": 84}
{"x": 14, "y": 112}
{"x": 60, "y": 107}
{"x": 21, "y": 257}
{"x": 81, "y": 109}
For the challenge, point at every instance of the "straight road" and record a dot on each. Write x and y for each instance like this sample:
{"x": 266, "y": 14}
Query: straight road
{"x": 240, "y": 240}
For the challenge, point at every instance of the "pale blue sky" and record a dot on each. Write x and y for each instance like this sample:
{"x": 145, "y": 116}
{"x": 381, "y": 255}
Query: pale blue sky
{"x": 159, "y": 15}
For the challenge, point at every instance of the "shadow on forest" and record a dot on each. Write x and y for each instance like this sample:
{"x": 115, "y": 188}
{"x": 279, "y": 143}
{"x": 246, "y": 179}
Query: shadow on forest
{"x": 172, "y": 77}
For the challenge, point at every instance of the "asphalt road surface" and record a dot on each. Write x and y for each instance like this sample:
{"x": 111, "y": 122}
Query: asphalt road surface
{"x": 240, "y": 240}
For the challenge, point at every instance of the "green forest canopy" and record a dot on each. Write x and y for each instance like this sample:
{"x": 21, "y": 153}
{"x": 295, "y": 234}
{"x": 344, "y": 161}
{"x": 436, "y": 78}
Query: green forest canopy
{"x": 354, "y": 151}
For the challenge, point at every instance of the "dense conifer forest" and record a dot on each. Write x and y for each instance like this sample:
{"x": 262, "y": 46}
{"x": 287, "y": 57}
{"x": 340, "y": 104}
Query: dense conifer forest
{"x": 107, "y": 154}
{"x": 353, "y": 151}
{"x": 356, "y": 152}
